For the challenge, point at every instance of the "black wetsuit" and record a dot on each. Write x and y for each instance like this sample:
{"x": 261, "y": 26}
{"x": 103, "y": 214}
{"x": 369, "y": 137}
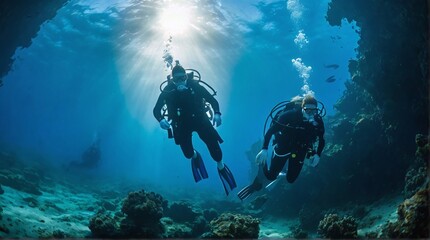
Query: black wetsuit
{"x": 90, "y": 158}
{"x": 187, "y": 111}
{"x": 294, "y": 137}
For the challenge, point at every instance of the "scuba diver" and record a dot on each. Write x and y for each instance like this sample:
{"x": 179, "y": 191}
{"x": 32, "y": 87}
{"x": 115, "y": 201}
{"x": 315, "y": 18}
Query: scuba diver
{"x": 295, "y": 130}
{"x": 187, "y": 105}
{"x": 90, "y": 157}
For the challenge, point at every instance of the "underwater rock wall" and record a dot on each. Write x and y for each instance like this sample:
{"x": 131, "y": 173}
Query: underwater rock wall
{"x": 413, "y": 218}
{"x": 392, "y": 61}
{"x": 387, "y": 101}
{"x": 20, "y": 20}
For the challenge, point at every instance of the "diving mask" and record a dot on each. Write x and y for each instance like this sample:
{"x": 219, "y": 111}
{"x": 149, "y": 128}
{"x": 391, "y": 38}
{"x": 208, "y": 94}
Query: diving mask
{"x": 309, "y": 111}
{"x": 180, "y": 80}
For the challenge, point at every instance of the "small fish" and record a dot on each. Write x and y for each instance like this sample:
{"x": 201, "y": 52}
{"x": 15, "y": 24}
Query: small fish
{"x": 330, "y": 79}
{"x": 334, "y": 66}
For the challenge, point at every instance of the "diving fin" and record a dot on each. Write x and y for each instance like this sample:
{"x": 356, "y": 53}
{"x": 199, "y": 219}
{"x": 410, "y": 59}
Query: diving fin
{"x": 227, "y": 178}
{"x": 250, "y": 189}
{"x": 198, "y": 168}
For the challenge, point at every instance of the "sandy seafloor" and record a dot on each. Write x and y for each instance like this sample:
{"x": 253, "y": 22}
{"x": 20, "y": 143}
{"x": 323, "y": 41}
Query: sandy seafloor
{"x": 68, "y": 208}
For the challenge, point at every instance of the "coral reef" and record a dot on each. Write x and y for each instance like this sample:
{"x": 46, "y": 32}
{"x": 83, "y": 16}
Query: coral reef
{"x": 413, "y": 218}
{"x": 141, "y": 216}
{"x": 58, "y": 234}
{"x": 190, "y": 222}
{"x": 416, "y": 178}
{"x": 143, "y": 211}
{"x": 176, "y": 230}
{"x": 181, "y": 212}
{"x": 230, "y": 225}
{"x": 199, "y": 226}
{"x": 333, "y": 226}
{"x": 422, "y": 153}
{"x": 210, "y": 214}
{"x": 144, "y": 207}
{"x": 423, "y": 146}
{"x": 104, "y": 226}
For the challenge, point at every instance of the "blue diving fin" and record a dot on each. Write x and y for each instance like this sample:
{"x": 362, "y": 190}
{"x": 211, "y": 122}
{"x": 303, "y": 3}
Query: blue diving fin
{"x": 227, "y": 179}
{"x": 198, "y": 168}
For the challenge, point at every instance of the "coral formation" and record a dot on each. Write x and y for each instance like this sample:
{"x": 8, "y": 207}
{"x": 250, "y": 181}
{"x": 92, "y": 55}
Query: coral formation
{"x": 414, "y": 180}
{"x": 143, "y": 207}
{"x": 422, "y": 153}
{"x": 333, "y": 226}
{"x": 413, "y": 218}
{"x": 181, "y": 212}
{"x": 210, "y": 214}
{"x": 58, "y": 234}
{"x": 104, "y": 226}
{"x": 230, "y": 225}
{"x": 423, "y": 146}
{"x": 417, "y": 178}
{"x": 188, "y": 221}
{"x": 199, "y": 226}
{"x": 143, "y": 211}
{"x": 175, "y": 230}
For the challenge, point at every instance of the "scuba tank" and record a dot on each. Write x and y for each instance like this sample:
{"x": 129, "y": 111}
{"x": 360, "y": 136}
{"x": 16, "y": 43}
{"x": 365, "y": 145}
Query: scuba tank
{"x": 192, "y": 75}
{"x": 281, "y": 107}
{"x": 286, "y": 106}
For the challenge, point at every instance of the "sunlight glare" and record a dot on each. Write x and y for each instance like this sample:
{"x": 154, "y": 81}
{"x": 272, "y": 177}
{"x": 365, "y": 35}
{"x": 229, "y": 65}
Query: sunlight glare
{"x": 175, "y": 19}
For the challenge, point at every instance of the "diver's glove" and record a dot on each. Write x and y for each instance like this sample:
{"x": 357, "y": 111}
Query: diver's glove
{"x": 261, "y": 157}
{"x": 314, "y": 160}
{"x": 217, "y": 119}
{"x": 164, "y": 124}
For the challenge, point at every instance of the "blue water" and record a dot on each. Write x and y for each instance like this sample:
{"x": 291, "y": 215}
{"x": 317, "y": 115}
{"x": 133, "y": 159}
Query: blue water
{"x": 97, "y": 66}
